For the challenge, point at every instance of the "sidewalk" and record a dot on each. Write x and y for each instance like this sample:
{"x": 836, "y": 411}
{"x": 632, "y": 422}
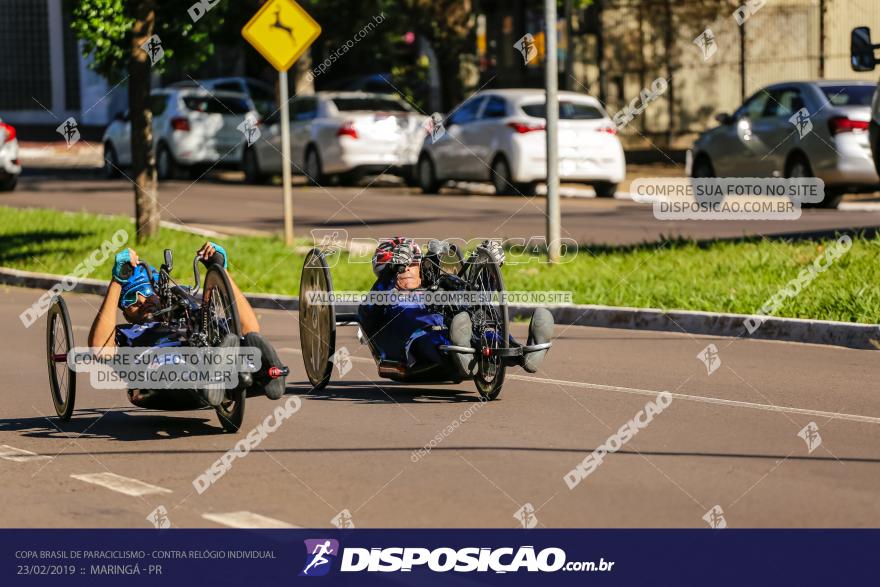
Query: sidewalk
{"x": 56, "y": 155}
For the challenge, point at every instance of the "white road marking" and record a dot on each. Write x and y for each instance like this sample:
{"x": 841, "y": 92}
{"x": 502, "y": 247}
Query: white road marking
{"x": 703, "y": 399}
{"x": 859, "y": 206}
{"x": 121, "y": 484}
{"x": 246, "y": 520}
{"x": 19, "y": 455}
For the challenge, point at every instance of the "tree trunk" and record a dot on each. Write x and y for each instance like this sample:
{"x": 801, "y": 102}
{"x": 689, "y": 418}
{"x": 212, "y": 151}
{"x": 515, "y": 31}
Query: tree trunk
{"x": 668, "y": 50}
{"x": 146, "y": 202}
{"x": 303, "y": 83}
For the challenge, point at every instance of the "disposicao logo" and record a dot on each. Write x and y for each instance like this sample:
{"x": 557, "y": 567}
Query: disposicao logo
{"x": 320, "y": 554}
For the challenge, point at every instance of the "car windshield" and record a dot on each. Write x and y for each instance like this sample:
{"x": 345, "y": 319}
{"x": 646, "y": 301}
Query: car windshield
{"x": 567, "y": 111}
{"x": 859, "y": 95}
{"x": 370, "y": 104}
{"x": 217, "y": 105}
{"x": 264, "y": 100}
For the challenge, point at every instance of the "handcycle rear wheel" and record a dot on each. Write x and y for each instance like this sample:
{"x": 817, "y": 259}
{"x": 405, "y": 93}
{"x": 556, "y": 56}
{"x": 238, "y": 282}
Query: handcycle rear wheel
{"x": 490, "y": 324}
{"x": 317, "y": 321}
{"x": 59, "y": 341}
{"x": 221, "y": 318}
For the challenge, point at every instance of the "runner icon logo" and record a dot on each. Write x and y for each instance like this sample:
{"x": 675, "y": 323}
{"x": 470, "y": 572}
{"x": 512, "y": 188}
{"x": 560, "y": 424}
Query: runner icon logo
{"x": 710, "y": 358}
{"x": 810, "y": 435}
{"x": 320, "y": 554}
{"x": 526, "y": 516}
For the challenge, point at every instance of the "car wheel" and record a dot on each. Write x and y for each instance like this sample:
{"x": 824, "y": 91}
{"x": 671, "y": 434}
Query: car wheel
{"x": 874, "y": 137}
{"x": 703, "y": 167}
{"x": 314, "y": 174}
{"x": 605, "y": 189}
{"x": 427, "y": 176}
{"x": 502, "y": 179}
{"x": 410, "y": 177}
{"x": 8, "y": 183}
{"x": 111, "y": 162}
{"x": 251, "y": 168}
{"x": 166, "y": 167}
{"x": 799, "y": 166}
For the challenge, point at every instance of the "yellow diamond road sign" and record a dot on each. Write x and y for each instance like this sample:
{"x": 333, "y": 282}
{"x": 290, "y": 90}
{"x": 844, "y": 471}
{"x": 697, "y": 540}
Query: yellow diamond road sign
{"x": 281, "y": 31}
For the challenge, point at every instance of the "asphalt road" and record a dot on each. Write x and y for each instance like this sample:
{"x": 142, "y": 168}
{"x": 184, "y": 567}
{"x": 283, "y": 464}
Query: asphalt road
{"x": 384, "y": 208}
{"x": 728, "y": 439}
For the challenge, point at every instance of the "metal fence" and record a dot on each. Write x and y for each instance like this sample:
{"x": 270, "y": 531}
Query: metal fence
{"x": 779, "y": 40}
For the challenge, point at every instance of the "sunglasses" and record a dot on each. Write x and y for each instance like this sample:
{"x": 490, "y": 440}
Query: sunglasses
{"x": 131, "y": 296}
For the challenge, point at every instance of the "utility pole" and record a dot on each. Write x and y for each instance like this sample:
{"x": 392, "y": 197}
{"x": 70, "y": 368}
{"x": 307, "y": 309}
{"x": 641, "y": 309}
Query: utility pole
{"x": 552, "y": 91}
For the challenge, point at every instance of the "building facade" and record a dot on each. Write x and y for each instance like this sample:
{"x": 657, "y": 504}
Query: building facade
{"x": 45, "y": 77}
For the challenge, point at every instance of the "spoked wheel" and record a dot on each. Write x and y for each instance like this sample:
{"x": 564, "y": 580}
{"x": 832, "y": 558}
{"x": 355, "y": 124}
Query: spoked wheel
{"x": 317, "y": 321}
{"x": 490, "y": 324}
{"x": 219, "y": 318}
{"x": 59, "y": 340}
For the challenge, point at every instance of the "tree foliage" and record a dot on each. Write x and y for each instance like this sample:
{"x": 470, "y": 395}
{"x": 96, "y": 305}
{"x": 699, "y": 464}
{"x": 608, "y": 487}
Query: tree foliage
{"x": 105, "y": 27}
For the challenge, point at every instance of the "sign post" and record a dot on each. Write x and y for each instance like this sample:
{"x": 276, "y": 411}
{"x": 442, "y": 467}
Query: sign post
{"x": 286, "y": 171}
{"x": 282, "y": 31}
{"x": 552, "y": 85}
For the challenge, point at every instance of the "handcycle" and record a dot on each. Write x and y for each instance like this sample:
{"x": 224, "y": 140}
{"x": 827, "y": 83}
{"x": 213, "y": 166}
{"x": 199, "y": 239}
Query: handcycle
{"x": 196, "y": 319}
{"x": 479, "y": 274}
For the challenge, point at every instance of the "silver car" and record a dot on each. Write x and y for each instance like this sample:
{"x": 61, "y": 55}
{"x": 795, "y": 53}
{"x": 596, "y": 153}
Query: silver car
{"x": 340, "y": 135}
{"x": 795, "y": 129}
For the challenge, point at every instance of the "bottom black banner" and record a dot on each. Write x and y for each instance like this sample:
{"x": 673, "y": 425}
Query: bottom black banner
{"x": 438, "y": 557}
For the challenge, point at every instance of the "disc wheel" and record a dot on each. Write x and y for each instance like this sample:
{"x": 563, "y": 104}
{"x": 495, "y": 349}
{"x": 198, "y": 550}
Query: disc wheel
{"x": 317, "y": 322}
{"x": 490, "y": 323}
{"x": 219, "y": 318}
{"x": 59, "y": 340}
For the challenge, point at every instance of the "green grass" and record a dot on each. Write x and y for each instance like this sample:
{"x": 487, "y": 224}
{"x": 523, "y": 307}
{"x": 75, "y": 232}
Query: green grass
{"x": 725, "y": 276}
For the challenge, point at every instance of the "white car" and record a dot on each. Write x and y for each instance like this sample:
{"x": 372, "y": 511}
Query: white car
{"x": 499, "y": 136}
{"x": 342, "y": 135}
{"x": 10, "y": 168}
{"x": 192, "y": 128}
{"x": 260, "y": 94}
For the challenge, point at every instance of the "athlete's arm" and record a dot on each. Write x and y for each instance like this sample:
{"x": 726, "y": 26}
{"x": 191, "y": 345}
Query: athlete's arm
{"x": 246, "y": 313}
{"x": 102, "y": 336}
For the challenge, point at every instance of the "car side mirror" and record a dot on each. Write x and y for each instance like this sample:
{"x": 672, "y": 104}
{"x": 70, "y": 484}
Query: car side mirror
{"x": 724, "y": 118}
{"x": 169, "y": 262}
{"x": 862, "y": 49}
{"x": 119, "y": 116}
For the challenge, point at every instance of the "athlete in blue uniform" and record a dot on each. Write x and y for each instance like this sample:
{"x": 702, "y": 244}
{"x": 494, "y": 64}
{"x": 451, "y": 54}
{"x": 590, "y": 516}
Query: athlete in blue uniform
{"x": 136, "y": 297}
{"x": 409, "y": 332}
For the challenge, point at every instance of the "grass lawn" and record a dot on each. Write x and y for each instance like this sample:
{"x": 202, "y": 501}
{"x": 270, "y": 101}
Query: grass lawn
{"x": 723, "y": 277}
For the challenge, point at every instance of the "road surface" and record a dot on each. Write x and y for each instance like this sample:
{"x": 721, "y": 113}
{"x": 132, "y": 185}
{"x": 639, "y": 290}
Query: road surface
{"x": 384, "y": 208}
{"x": 728, "y": 439}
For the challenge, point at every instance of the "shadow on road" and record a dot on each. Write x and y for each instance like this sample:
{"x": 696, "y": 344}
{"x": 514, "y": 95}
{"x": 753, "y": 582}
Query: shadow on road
{"x": 386, "y": 392}
{"x": 133, "y": 424}
{"x": 126, "y": 424}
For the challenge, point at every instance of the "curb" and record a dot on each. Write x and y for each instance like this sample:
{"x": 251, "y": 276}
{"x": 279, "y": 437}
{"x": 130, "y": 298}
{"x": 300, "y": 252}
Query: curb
{"x": 824, "y": 332}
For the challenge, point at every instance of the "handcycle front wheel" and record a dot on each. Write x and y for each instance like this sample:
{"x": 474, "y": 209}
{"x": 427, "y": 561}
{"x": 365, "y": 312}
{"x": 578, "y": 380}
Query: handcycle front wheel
{"x": 317, "y": 320}
{"x": 219, "y": 319}
{"x": 59, "y": 341}
{"x": 490, "y": 323}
